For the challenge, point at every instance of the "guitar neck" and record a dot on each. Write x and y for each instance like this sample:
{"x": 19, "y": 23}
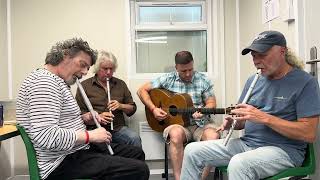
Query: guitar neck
{"x": 202, "y": 110}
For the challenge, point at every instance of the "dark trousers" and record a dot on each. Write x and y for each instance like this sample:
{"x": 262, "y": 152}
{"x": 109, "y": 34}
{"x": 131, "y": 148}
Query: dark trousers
{"x": 96, "y": 163}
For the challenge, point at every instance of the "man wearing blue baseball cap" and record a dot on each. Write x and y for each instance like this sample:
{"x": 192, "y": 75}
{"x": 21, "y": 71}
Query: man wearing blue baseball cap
{"x": 265, "y": 40}
{"x": 280, "y": 117}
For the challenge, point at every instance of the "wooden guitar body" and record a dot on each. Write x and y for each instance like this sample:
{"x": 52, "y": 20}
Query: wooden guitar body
{"x": 179, "y": 108}
{"x": 165, "y": 99}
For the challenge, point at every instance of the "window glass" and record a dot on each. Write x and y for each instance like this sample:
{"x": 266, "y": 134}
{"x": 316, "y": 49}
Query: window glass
{"x": 161, "y": 29}
{"x": 177, "y": 13}
{"x": 155, "y": 50}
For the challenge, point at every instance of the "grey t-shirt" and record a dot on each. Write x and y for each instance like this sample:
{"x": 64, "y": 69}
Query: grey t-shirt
{"x": 292, "y": 97}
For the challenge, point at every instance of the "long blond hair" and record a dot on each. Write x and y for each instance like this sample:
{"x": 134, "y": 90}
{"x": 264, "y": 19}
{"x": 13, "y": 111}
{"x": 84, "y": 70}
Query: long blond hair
{"x": 293, "y": 60}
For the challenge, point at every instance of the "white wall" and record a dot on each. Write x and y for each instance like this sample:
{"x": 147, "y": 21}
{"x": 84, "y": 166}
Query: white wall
{"x": 4, "y": 153}
{"x": 3, "y": 51}
{"x": 251, "y": 25}
{"x": 312, "y": 38}
{"x": 100, "y": 23}
{"x": 37, "y": 24}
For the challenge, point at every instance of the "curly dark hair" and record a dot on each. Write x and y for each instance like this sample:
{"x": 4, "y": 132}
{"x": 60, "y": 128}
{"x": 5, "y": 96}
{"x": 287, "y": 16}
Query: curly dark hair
{"x": 70, "y": 47}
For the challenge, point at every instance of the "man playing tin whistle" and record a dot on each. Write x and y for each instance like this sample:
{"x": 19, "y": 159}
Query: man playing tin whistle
{"x": 279, "y": 119}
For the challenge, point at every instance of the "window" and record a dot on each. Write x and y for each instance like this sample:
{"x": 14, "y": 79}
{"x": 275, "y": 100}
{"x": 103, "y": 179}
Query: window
{"x": 169, "y": 13}
{"x": 160, "y": 29}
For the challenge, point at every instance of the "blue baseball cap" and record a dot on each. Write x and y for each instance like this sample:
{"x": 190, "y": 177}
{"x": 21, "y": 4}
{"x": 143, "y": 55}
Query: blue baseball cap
{"x": 264, "y": 41}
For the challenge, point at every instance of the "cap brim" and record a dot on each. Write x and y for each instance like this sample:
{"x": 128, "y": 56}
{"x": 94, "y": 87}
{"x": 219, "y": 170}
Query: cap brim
{"x": 261, "y": 48}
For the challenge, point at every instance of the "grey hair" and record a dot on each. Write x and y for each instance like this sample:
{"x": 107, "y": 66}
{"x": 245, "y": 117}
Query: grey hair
{"x": 293, "y": 60}
{"x": 70, "y": 47}
{"x": 103, "y": 57}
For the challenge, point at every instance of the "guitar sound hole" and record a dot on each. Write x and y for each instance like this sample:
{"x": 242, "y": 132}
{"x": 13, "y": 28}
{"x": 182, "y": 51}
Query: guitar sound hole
{"x": 173, "y": 110}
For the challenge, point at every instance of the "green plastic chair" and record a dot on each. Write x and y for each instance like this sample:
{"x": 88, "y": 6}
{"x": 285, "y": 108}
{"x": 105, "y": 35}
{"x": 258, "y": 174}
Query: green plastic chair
{"x": 31, "y": 154}
{"x": 308, "y": 167}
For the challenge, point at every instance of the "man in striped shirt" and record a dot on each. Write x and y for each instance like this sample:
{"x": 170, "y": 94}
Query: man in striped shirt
{"x": 52, "y": 119}
{"x": 200, "y": 88}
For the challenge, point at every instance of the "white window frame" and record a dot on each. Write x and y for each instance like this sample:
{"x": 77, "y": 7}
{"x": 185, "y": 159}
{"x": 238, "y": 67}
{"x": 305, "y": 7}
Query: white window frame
{"x": 165, "y": 25}
{"x": 206, "y": 24}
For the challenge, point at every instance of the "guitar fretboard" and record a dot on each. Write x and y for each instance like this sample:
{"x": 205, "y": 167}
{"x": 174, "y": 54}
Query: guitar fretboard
{"x": 202, "y": 110}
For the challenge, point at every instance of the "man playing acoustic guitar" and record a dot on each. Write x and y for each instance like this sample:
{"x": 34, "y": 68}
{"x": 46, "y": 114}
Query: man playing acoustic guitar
{"x": 200, "y": 89}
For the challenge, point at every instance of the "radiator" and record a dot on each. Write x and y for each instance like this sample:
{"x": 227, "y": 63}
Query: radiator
{"x": 152, "y": 142}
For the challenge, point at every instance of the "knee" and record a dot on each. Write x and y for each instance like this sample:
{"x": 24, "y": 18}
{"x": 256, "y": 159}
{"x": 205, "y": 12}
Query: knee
{"x": 177, "y": 136}
{"x": 133, "y": 139}
{"x": 136, "y": 141}
{"x": 237, "y": 164}
{"x": 240, "y": 166}
{"x": 191, "y": 151}
{"x": 210, "y": 134}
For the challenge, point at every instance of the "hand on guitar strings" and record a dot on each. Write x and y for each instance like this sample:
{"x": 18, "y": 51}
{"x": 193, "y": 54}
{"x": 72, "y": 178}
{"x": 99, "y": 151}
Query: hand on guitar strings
{"x": 106, "y": 117}
{"x": 159, "y": 114}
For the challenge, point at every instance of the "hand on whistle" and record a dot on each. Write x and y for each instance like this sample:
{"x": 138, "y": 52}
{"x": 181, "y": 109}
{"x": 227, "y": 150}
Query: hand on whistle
{"x": 106, "y": 117}
{"x": 114, "y": 105}
{"x": 226, "y": 124}
{"x": 100, "y": 135}
{"x": 88, "y": 118}
{"x": 249, "y": 112}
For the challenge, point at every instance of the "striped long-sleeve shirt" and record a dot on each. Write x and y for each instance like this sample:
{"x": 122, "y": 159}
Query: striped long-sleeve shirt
{"x": 51, "y": 117}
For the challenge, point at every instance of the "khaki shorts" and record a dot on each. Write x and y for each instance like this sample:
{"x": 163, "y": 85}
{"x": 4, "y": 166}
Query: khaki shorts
{"x": 193, "y": 133}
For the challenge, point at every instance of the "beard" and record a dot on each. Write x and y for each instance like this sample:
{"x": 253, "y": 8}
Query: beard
{"x": 72, "y": 81}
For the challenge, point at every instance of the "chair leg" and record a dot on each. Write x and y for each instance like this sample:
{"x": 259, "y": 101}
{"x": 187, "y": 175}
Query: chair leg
{"x": 166, "y": 168}
{"x": 221, "y": 175}
{"x": 218, "y": 175}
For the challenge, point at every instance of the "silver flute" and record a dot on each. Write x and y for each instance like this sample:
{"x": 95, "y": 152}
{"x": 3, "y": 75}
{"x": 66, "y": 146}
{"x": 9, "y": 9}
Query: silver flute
{"x": 109, "y": 99}
{"x": 246, "y": 98}
{"x": 93, "y": 113}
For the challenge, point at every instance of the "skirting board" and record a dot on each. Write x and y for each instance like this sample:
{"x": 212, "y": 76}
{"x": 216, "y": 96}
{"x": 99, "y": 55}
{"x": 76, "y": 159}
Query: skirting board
{"x": 159, "y": 171}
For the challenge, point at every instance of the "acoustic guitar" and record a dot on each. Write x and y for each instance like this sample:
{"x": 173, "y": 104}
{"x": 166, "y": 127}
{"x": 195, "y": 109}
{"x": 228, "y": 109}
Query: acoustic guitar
{"x": 178, "y": 106}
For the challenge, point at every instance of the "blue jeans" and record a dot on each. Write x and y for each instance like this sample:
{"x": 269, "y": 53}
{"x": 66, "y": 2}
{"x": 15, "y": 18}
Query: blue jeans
{"x": 126, "y": 136}
{"x": 243, "y": 162}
